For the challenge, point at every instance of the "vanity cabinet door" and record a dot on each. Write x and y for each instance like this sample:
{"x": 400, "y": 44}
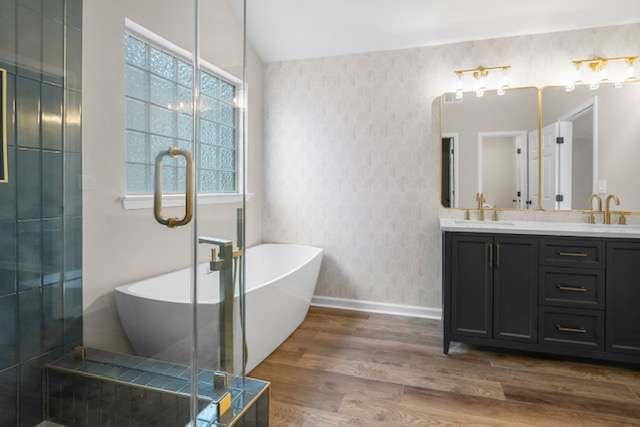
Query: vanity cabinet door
{"x": 471, "y": 285}
{"x": 515, "y": 287}
{"x": 623, "y": 298}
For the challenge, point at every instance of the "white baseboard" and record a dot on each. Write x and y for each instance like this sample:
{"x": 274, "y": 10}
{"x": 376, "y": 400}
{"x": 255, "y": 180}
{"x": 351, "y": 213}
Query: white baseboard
{"x": 377, "y": 307}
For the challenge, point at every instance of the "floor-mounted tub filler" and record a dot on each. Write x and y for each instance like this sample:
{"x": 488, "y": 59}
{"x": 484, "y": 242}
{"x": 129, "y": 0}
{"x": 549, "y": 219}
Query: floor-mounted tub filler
{"x": 157, "y": 314}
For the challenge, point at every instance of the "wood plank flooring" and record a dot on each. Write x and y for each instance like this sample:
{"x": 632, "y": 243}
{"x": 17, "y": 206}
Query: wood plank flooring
{"x": 346, "y": 368}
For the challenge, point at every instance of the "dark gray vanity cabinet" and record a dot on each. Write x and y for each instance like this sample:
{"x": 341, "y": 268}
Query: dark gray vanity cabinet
{"x": 472, "y": 285}
{"x": 623, "y": 298}
{"x": 561, "y": 295}
{"x": 515, "y": 288}
{"x": 493, "y": 287}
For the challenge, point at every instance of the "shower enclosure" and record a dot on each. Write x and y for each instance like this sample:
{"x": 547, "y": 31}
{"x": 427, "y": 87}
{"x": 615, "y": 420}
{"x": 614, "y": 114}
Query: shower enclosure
{"x": 124, "y": 154}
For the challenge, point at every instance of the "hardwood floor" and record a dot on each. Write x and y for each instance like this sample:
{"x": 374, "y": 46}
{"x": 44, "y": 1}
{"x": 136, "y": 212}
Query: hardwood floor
{"x": 358, "y": 369}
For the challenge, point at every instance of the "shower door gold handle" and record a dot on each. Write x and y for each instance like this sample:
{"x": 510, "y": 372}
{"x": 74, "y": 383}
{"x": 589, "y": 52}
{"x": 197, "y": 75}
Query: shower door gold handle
{"x": 158, "y": 193}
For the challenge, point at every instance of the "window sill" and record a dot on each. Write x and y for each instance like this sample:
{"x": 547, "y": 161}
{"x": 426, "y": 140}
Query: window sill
{"x": 145, "y": 201}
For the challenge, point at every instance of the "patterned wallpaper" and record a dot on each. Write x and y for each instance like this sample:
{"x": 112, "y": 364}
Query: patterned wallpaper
{"x": 351, "y": 153}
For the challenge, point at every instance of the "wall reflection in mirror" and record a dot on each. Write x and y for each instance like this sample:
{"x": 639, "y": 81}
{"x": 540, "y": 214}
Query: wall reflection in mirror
{"x": 591, "y": 144}
{"x": 490, "y": 148}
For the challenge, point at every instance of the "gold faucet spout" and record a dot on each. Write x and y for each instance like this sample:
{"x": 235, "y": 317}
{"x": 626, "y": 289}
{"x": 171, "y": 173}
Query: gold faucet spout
{"x": 607, "y": 211}
{"x": 481, "y": 201}
{"x": 592, "y": 218}
{"x": 598, "y": 198}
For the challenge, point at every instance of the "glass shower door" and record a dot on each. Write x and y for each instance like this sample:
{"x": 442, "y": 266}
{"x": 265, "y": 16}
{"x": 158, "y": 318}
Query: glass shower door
{"x": 122, "y": 212}
{"x": 223, "y": 209}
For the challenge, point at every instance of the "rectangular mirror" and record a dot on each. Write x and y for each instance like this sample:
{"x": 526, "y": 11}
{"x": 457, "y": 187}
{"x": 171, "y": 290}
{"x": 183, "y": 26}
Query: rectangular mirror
{"x": 4, "y": 160}
{"x": 591, "y": 144}
{"x": 490, "y": 146}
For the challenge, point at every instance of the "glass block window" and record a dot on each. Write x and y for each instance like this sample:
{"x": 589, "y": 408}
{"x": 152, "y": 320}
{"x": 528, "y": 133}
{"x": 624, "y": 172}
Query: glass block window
{"x": 158, "y": 97}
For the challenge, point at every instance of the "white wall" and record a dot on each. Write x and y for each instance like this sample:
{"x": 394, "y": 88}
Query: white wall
{"x": 121, "y": 246}
{"x": 352, "y": 153}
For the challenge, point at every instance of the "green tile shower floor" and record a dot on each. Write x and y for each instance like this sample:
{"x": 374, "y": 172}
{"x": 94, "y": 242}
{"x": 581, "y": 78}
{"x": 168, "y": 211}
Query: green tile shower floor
{"x": 113, "y": 389}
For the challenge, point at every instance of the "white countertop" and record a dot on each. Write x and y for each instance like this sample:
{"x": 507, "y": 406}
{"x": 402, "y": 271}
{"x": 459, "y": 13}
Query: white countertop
{"x": 541, "y": 228}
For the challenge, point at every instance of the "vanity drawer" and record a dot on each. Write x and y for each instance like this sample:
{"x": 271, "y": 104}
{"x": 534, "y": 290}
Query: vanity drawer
{"x": 572, "y": 287}
{"x": 577, "y": 329}
{"x": 585, "y": 253}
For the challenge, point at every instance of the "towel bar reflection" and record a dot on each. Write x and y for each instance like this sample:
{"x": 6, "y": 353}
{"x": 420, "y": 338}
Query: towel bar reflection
{"x": 158, "y": 191}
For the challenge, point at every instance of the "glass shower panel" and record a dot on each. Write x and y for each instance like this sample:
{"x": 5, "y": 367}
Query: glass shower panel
{"x": 221, "y": 250}
{"x": 223, "y": 210}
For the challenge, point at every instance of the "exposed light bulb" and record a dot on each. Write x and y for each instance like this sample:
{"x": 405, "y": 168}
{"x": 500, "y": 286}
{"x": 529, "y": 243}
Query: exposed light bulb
{"x": 481, "y": 82}
{"x": 459, "y": 86}
{"x": 603, "y": 74}
{"x": 459, "y": 82}
{"x": 504, "y": 81}
{"x": 598, "y": 75}
{"x": 576, "y": 76}
{"x": 631, "y": 70}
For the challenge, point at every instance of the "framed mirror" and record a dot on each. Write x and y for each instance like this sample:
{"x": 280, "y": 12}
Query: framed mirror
{"x": 490, "y": 146}
{"x": 590, "y": 144}
{"x": 4, "y": 160}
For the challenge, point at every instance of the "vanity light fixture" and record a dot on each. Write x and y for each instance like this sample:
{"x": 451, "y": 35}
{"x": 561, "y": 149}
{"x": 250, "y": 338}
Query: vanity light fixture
{"x": 481, "y": 80}
{"x": 600, "y": 72}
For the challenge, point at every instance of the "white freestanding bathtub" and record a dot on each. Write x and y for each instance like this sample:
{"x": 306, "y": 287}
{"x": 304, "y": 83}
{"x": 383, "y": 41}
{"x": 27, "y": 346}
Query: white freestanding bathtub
{"x": 157, "y": 313}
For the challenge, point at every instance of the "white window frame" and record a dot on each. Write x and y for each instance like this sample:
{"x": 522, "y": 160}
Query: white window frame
{"x": 145, "y": 201}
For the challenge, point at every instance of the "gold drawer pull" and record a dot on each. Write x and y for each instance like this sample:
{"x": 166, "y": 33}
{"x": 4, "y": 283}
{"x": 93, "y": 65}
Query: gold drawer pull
{"x": 573, "y": 254}
{"x": 570, "y": 329}
{"x": 157, "y": 197}
{"x": 571, "y": 288}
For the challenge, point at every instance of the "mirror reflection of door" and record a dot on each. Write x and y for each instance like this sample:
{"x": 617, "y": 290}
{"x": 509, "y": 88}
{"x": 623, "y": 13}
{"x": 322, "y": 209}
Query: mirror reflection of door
{"x": 582, "y": 171}
{"x": 449, "y": 191}
{"x": 533, "y": 169}
{"x": 570, "y": 175}
{"x": 503, "y": 169}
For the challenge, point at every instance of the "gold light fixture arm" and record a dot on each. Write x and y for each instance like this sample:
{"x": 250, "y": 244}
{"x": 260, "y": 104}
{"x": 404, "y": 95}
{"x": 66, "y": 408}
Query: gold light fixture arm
{"x": 482, "y": 71}
{"x": 158, "y": 193}
{"x": 601, "y": 61}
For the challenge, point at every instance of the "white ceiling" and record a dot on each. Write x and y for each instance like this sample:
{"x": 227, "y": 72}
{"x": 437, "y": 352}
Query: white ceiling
{"x": 294, "y": 29}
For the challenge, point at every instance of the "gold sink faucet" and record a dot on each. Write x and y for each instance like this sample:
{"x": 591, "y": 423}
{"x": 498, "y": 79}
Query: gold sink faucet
{"x": 607, "y": 211}
{"x": 592, "y": 217}
{"x": 481, "y": 201}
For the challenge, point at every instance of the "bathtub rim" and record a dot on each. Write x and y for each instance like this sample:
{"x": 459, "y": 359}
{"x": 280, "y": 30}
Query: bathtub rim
{"x": 125, "y": 289}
